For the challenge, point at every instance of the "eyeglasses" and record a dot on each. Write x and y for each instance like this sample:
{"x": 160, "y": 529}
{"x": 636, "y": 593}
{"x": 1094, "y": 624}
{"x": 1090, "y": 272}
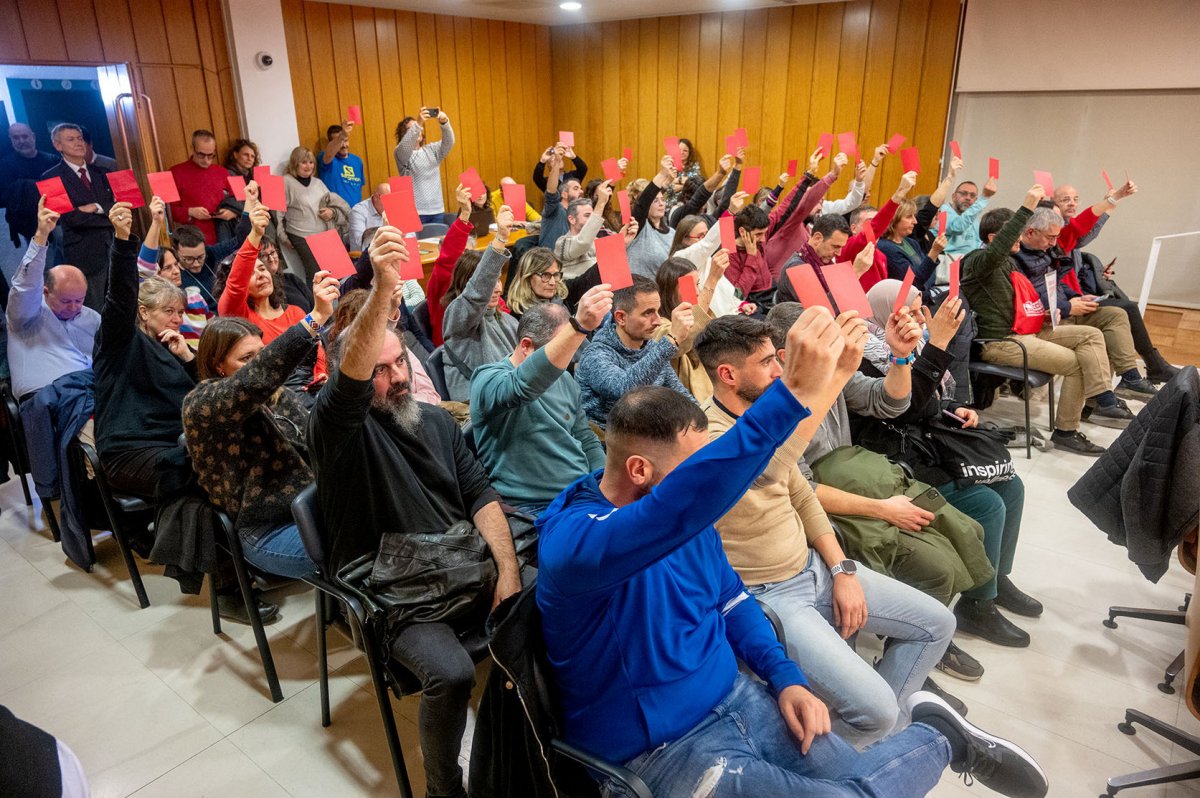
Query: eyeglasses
{"x": 194, "y": 260}
{"x": 273, "y": 255}
{"x": 208, "y": 156}
{"x": 549, "y": 277}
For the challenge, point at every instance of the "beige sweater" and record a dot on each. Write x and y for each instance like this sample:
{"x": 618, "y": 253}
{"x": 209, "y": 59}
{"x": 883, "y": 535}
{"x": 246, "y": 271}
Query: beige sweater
{"x": 767, "y": 534}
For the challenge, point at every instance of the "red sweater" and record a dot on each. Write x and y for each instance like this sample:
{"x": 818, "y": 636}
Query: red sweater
{"x": 198, "y": 188}
{"x": 878, "y": 270}
{"x": 234, "y": 299}
{"x": 789, "y": 237}
{"x": 443, "y": 269}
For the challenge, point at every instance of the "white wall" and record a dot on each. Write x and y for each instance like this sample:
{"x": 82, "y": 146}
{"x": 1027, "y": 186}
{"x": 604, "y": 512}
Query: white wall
{"x": 265, "y": 96}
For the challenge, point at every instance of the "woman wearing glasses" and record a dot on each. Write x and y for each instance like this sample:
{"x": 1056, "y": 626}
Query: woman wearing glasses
{"x": 539, "y": 280}
{"x": 165, "y": 263}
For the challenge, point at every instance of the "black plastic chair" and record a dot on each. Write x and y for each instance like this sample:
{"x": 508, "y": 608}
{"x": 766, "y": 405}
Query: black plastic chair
{"x": 117, "y": 509}
{"x": 232, "y": 545}
{"x": 1031, "y": 378}
{"x": 420, "y": 315}
{"x": 468, "y": 433}
{"x": 1162, "y": 616}
{"x": 20, "y": 452}
{"x": 436, "y": 366}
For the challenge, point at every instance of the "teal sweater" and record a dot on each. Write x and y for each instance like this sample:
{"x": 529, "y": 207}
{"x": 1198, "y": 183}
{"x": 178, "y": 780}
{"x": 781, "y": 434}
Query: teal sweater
{"x": 530, "y": 429}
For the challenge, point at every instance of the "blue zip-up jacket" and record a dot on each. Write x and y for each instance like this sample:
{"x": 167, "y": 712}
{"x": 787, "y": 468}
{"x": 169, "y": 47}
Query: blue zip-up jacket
{"x": 643, "y": 617}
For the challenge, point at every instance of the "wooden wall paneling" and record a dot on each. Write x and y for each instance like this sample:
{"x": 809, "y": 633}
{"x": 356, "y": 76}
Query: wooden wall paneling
{"x": 116, "y": 32}
{"x": 150, "y": 33}
{"x": 688, "y": 83}
{"x": 902, "y": 104}
{"x": 534, "y": 107}
{"x": 877, "y": 77}
{"x": 463, "y": 116}
{"x": 83, "y": 42}
{"x": 542, "y": 99}
{"x": 605, "y": 101}
{"x": 489, "y": 116}
{"x": 936, "y": 75}
{"x": 749, "y": 98}
{"x": 323, "y": 84}
{"x": 707, "y": 101}
{"x": 410, "y": 72}
{"x": 802, "y": 47}
{"x": 173, "y": 131}
{"x": 728, "y": 85}
{"x": 650, "y": 90}
{"x": 822, "y": 112}
{"x": 426, "y": 48}
{"x": 296, "y": 34}
{"x": 194, "y": 112}
{"x": 668, "y": 65}
{"x": 775, "y": 148}
{"x": 369, "y": 141}
{"x": 180, "y": 20}
{"x": 391, "y": 89}
{"x": 627, "y": 109}
{"x": 43, "y": 30}
{"x": 12, "y": 37}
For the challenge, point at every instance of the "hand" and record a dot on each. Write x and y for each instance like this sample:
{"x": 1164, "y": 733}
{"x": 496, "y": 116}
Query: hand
{"x": 47, "y": 221}
{"x": 1109, "y": 272}
{"x": 849, "y": 605}
{"x": 970, "y": 417}
{"x": 226, "y": 214}
{"x": 945, "y": 323}
{"x": 725, "y": 164}
{"x": 716, "y": 269}
{"x": 860, "y": 172}
{"x": 508, "y": 584}
{"x": 739, "y": 156}
{"x": 325, "y": 293}
{"x": 629, "y": 231}
{"x": 903, "y": 332}
{"x": 443, "y": 119}
{"x": 747, "y": 241}
{"x": 682, "y": 320}
{"x": 260, "y": 217}
{"x": 1081, "y": 306}
{"x": 325, "y": 213}
{"x": 593, "y": 306}
{"x": 504, "y": 223}
{"x": 623, "y": 165}
{"x": 666, "y": 167}
{"x": 814, "y": 160}
{"x": 956, "y": 165}
{"x": 989, "y": 188}
{"x": 865, "y": 259}
{"x": 547, "y": 155}
{"x": 938, "y": 246}
{"x": 176, "y": 344}
{"x": 854, "y": 331}
{"x": 199, "y": 213}
{"x": 880, "y": 153}
{"x": 900, "y": 512}
{"x": 423, "y": 114}
{"x": 569, "y": 152}
{"x": 907, "y": 181}
{"x": 121, "y": 217}
{"x": 747, "y": 308}
{"x": 388, "y": 252}
{"x": 738, "y": 201}
{"x": 603, "y": 194}
{"x": 347, "y": 129}
{"x": 814, "y": 344}
{"x": 1033, "y": 196}
{"x": 462, "y": 195}
{"x": 252, "y": 192}
{"x": 805, "y": 715}
{"x": 158, "y": 210}
{"x": 91, "y": 207}
{"x": 784, "y": 178}
{"x": 839, "y": 163}
{"x": 1126, "y": 190}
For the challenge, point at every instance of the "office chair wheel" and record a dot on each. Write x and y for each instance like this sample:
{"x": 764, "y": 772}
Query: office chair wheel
{"x": 1110, "y": 623}
{"x": 1126, "y": 728}
{"x": 1165, "y": 687}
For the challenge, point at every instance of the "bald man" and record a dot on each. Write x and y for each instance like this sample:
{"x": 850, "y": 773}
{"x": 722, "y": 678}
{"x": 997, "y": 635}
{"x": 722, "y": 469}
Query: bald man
{"x": 19, "y": 172}
{"x": 50, "y": 332}
{"x": 366, "y": 215}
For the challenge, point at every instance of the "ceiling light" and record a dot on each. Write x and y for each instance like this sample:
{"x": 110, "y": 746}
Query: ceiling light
{"x": 570, "y": 5}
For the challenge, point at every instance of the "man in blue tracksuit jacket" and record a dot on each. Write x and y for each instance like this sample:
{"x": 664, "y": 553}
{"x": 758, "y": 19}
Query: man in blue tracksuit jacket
{"x": 644, "y": 619}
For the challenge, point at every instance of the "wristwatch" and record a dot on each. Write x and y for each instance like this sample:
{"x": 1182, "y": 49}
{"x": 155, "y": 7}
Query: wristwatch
{"x": 844, "y": 567}
{"x": 579, "y": 328}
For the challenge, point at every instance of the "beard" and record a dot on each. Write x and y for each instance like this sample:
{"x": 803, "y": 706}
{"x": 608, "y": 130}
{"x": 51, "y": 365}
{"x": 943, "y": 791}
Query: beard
{"x": 400, "y": 408}
{"x": 749, "y": 394}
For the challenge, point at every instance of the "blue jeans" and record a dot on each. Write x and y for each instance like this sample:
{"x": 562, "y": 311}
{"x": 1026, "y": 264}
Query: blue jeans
{"x": 743, "y": 747}
{"x": 432, "y": 218}
{"x": 279, "y": 552}
{"x": 997, "y": 508}
{"x": 864, "y": 701}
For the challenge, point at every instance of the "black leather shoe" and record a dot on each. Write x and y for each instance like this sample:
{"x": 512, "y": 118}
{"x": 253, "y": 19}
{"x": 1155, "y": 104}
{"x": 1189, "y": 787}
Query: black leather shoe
{"x": 232, "y": 608}
{"x": 982, "y": 619}
{"x": 1013, "y": 600}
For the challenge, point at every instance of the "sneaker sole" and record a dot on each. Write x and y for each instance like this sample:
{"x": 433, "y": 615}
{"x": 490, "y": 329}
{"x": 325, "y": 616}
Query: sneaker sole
{"x": 957, "y": 674}
{"x": 1136, "y": 396}
{"x": 1111, "y": 423}
{"x": 973, "y": 730}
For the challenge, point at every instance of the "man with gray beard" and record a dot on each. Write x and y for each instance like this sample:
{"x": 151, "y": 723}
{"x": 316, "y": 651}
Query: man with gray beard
{"x": 386, "y": 463}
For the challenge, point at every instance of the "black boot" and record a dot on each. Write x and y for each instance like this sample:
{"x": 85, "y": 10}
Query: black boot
{"x": 232, "y": 608}
{"x": 1013, "y": 600}
{"x": 982, "y": 619}
{"x": 1158, "y": 369}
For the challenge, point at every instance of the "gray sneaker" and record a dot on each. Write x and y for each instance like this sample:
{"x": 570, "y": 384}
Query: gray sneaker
{"x": 1139, "y": 389}
{"x": 1075, "y": 442}
{"x": 1116, "y": 417}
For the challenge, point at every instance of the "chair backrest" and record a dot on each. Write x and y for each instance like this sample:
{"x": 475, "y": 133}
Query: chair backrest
{"x": 433, "y": 230}
{"x": 308, "y": 521}
{"x": 420, "y": 314}
{"x": 468, "y": 433}
{"x": 436, "y": 366}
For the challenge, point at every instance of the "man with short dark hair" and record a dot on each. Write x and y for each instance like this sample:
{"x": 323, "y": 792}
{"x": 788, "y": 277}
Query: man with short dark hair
{"x": 826, "y": 240}
{"x": 561, "y": 191}
{"x": 748, "y": 269}
{"x": 644, "y": 621}
{"x": 385, "y": 463}
{"x": 576, "y": 250}
{"x": 624, "y": 354}
{"x": 530, "y": 429}
{"x": 962, "y": 216}
{"x": 198, "y": 260}
{"x": 341, "y": 170}
{"x": 201, "y": 182}
{"x": 19, "y": 172}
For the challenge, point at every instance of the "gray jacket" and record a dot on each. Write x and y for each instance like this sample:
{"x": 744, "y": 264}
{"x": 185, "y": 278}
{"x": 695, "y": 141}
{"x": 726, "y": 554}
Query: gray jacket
{"x": 474, "y": 334}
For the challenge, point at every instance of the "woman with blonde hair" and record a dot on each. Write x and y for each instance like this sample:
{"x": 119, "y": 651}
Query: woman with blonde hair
{"x": 538, "y": 280}
{"x": 311, "y": 208}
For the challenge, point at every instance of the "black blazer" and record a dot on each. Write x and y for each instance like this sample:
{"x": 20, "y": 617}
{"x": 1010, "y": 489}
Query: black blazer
{"x": 78, "y": 224}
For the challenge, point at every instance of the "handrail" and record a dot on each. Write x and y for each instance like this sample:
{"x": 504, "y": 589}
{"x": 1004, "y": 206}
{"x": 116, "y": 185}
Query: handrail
{"x": 1152, "y": 264}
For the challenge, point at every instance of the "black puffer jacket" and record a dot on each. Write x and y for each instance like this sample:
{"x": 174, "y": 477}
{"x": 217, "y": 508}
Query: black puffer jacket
{"x": 1144, "y": 492}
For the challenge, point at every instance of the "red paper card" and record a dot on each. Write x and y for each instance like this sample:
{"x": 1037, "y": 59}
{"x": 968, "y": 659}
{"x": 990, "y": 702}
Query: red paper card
{"x": 848, "y": 145}
{"x": 751, "y": 180}
{"x": 627, "y": 153}
{"x": 56, "y": 195}
{"x": 162, "y": 185}
{"x": 412, "y": 269}
{"x": 687, "y": 289}
{"x": 261, "y": 172}
{"x": 728, "y": 234}
{"x": 895, "y": 141}
{"x": 567, "y": 138}
{"x": 941, "y": 223}
{"x": 847, "y": 291}
{"x": 868, "y": 230}
{"x": 473, "y": 181}
{"x": 1103, "y": 174}
{"x": 271, "y": 192}
{"x": 400, "y": 206}
{"x": 354, "y": 114}
{"x": 626, "y": 207}
{"x": 954, "y": 277}
{"x": 792, "y": 166}
{"x": 611, "y": 170}
{"x": 613, "y": 262}
{"x": 905, "y": 288}
{"x": 731, "y": 145}
{"x": 740, "y": 138}
{"x": 809, "y": 291}
{"x": 125, "y": 188}
{"x": 330, "y": 253}
{"x": 237, "y": 187}
{"x": 993, "y": 168}
{"x": 671, "y": 143}
{"x": 514, "y": 198}
{"x": 825, "y": 144}
{"x": 910, "y": 159}
{"x": 955, "y": 150}
{"x": 1045, "y": 180}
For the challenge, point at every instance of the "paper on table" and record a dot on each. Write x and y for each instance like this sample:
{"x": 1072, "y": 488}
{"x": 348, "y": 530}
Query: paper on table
{"x": 687, "y": 289}
{"x": 955, "y": 277}
{"x": 412, "y": 269}
{"x": 728, "y": 234}
{"x": 955, "y": 150}
{"x": 611, "y": 170}
{"x": 910, "y": 159}
{"x": 271, "y": 192}
{"x": 847, "y": 291}
{"x": 473, "y": 181}
{"x": 809, "y": 291}
{"x": 994, "y": 168}
{"x": 1103, "y": 174}
{"x": 237, "y": 187}
{"x": 626, "y": 207}
{"x": 848, "y": 145}
{"x": 330, "y": 253}
{"x": 514, "y": 198}
{"x": 751, "y": 180}
{"x": 125, "y": 188}
{"x": 567, "y": 138}
{"x": 905, "y": 288}
{"x": 162, "y": 185}
{"x": 671, "y": 143}
{"x": 354, "y": 114}
{"x": 825, "y": 144}
{"x": 895, "y": 141}
{"x": 1045, "y": 180}
{"x": 792, "y": 166}
{"x": 400, "y": 206}
{"x": 56, "y": 195}
{"x": 941, "y": 223}
{"x": 613, "y": 262}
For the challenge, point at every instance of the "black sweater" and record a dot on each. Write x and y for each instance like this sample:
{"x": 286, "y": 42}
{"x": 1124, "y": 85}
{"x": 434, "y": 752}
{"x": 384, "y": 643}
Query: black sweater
{"x": 140, "y": 385}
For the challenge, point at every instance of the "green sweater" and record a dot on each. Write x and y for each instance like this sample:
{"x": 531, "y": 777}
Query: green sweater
{"x": 530, "y": 429}
{"x": 985, "y": 278}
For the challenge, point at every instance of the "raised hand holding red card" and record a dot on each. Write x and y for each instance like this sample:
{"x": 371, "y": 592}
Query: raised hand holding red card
{"x": 1107, "y": 181}
{"x": 474, "y": 182}
{"x": 955, "y": 276}
{"x": 955, "y": 150}
{"x": 400, "y": 206}
{"x": 56, "y": 195}
{"x": 687, "y": 289}
{"x": 910, "y": 159}
{"x": 626, "y": 206}
{"x": 613, "y": 262}
{"x": 514, "y": 198}
{"x": 809, "y": 291}
{"x": 567, "y": 138}
{"x": 825, "y": 144}
{"x": 412, "y": 269}
{"x": 905, "y": 288}
{"x": 612, "y": 170}
{"x": 847, "y": 291}
{"x": 941, "y": 224}
{"x": 895, "y": 141}
{"x": 237, "y": 187}
{"x": 728, "y": 234}
{"x": 792, "y": 166}
{"x": 671, "y": 143}
{"x": 354, "y": 114}
{"x": 125, "y": 188}
{"x": 1046, "y": 181}
{"x": 994, "y": 168}
{"x": 751, "y": 180}
{"x": 848, "y": 145}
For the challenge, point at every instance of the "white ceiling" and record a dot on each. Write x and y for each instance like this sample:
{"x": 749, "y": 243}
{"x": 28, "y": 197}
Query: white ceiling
{"x": 547, "y": 12}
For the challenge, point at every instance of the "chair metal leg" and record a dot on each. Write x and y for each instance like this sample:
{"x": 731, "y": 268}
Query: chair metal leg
{"x": 52, "y": 521}
{"x": 1170, "y": 673}
{"x": 212, "y": 604}
{"x": 24, "y": 478}
{"x": 260, "y": 635}
{"x": 135, "y": 575}
{"x": 322, "y": 657}
{"x": 1167, "y": 774}
{"x": 1051, "y": 391}
{"x": 385, "y": 711}
{"x": 1028, "y": 423}
{"x": 1145, "y": 614}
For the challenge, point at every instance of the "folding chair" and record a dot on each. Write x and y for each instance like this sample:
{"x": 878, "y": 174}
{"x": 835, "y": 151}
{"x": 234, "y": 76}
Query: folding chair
{"x": 436, "y": 366}
{"x": 1031, "y": 378}
{"x": 10, "y": 417}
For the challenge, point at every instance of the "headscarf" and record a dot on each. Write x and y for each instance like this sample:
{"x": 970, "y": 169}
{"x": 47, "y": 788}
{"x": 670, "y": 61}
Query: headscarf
{"x": 882, "y": 297}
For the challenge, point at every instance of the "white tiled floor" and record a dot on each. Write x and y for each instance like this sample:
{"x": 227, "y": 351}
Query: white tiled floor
{"x": 155, "y": 705}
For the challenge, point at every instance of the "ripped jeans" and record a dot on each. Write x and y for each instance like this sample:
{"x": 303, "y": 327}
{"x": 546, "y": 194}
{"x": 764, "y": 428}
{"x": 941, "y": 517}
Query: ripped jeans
{"x": 743, "y": 747}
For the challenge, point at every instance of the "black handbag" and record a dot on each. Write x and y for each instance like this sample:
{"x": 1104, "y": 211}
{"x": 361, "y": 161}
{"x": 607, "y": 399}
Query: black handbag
{"x": 975, "y": 456}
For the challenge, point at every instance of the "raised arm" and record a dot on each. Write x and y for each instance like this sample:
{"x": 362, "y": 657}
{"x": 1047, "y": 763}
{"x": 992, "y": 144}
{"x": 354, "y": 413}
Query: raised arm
{"x": 465, "y": 314}
{"x": 25, "y": 297}
{"x": 335, "y": 143}
{"x": 407, "y": 145}
{"x": 447, "y": 143}
{"x": 118, "y": 318}
{"x": 237, "y": 286}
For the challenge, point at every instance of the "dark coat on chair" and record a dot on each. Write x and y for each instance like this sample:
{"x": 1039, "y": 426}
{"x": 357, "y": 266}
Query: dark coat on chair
{"x": 1142, "y": 491}
{"x": 86, "y": 237}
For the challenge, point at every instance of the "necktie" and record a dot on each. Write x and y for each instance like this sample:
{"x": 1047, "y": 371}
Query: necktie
{"x": 83, "y": 175}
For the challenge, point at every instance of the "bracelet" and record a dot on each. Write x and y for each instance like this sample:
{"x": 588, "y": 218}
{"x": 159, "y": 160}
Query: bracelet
{"x": 311, "y": 325}
{"x": 672, "y": 339}
{"x": 902, "y": 361}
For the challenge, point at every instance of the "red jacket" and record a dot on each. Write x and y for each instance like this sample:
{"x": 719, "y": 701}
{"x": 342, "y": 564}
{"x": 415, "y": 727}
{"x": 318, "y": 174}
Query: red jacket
{"x": 198, "y": 188}
{"x": 453, "y": 246}
{"x": 878, "y": 270}
{"x": 789, "y": 237}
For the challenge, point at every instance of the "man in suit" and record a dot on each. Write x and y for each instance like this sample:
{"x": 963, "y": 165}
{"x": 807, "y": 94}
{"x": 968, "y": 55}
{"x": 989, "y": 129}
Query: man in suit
{"x": 86, "y": 232}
